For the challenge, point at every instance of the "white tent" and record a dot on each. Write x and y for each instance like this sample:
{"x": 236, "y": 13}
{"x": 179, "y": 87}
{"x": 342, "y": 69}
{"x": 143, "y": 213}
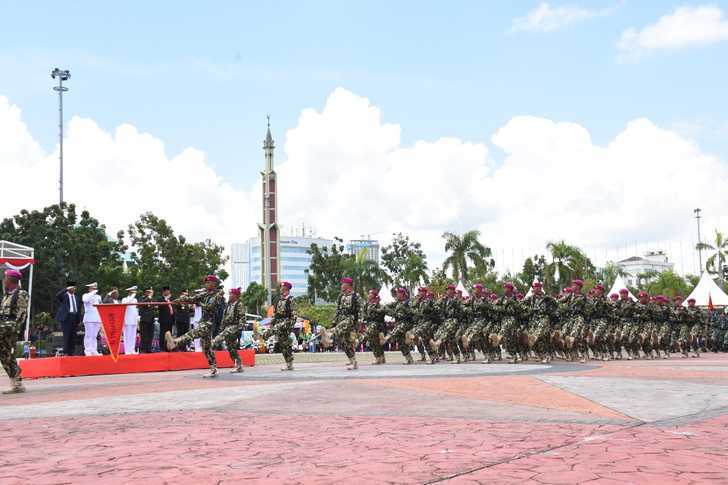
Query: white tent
{"x": 461, "y": 287}
{"x": 618, "y": 285}
{"x": 530, "y": 290}
{"x": 706, "y": 291}
{"x": 19, "y": 257}
{"x": 385, "y": 295}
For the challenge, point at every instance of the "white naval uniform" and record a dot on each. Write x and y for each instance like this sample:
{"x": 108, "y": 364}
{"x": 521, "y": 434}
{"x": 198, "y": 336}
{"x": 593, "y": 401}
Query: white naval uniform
{"x": 131, "y": 320}
{"x": 91, "y": 323}
{"x": 196, "y": 317}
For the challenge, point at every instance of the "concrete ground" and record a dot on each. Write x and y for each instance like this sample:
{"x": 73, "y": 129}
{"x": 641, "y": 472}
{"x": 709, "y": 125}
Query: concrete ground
{"x": 620, "y": 422}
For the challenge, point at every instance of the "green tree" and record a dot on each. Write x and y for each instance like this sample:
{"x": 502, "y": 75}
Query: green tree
{"x": 717, "y": 261}
{"x": 316, "y": 314}
{"x": 465, "y": 248}
{"x": 159, "y": 257}
{"x": 366, "y": 273}
{"x": 326, "y": 270}
{"x": 567, "y": 262}
{"x": 609, "y": 273}
{"x": 668, "y": 283}
{"x": 532, "y": 268}
{"x": 405, "y": 262}
{"x": 254, "y": 298}
{"x": 67, "y": 245}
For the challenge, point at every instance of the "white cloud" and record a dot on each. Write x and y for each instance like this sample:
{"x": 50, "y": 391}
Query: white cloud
{"x": 344, "y": 171}
{"x": 547, "y": 18}
{"x": 119, "y": 176}
{"x": 685, "y": 27}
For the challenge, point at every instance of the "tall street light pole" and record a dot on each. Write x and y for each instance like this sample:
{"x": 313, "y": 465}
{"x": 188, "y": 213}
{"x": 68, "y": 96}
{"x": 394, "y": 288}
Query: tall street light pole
{"x": 61, "y": 75}
{"x": 700, "y": 242}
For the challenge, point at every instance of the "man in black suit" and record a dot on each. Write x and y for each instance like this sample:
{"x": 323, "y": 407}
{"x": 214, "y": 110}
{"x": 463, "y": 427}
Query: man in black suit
{"x": 69, "y": 315}
{"x": 166, "y": 316}
{"x": 146, "y": 322}
{"x": 182, "y": 316}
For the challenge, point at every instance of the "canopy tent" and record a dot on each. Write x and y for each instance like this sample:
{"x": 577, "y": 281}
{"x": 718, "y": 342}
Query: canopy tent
{"x": 461, "y": 288}
{"x": 385, "y": 295}
{"x": 618, "y": 285}
{"x": 707, "y": 291}
{"x": 19, "y": 257}
{"x": 530, "y": 290}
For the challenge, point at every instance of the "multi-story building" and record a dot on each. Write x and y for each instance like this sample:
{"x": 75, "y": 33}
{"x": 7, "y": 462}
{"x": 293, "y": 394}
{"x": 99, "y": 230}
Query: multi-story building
{"x": 294, "y": 262}
{"x": 653, "y": 261}
{"x": 355, "y": 246}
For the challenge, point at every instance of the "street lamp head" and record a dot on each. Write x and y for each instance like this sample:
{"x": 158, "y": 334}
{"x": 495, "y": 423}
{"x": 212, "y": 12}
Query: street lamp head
{"x": 63, "y": 74}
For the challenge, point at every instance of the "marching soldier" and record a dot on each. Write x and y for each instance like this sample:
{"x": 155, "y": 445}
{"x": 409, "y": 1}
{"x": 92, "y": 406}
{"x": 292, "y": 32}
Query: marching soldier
{"x": 13, "y": 311}
{"x": 233, "y": 322}
{"x": 452, "y": 313}
{"x": 345, "y": 321}
{"x": 282, "y": 324}
{"x": 403, "y": 315}
{"x": 210, "y": 301}
{"x": 542, "y": 310}
{"x": 373, "y": 315}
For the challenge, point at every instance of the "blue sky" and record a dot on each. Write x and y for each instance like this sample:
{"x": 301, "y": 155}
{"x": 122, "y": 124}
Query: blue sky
{"x": 205, "y": 74}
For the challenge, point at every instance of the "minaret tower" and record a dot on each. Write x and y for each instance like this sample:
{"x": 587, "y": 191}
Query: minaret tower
{"x": 270, "y": 267}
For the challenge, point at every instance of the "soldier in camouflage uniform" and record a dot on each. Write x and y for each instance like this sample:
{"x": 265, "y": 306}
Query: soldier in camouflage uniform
{"x": 542, "y": 311}
{"x": 509, "y": 312}
{"x": 421, "y": 329}
{"x": 492, "y": 327}
{"x": 209, "y": 301}
{"x": 233, "y": 322}
{"x": 696, "y": 320}
{"x": 452, "y": 313}
{"x": 663, "y": 318}
{"x": 404, "y": 317}
{"x": 599, "y": 310}
{"x": 346, "y": 320}
{"x": 578, "y": 325}
{"x": 13, "y": 312}
{"x": 373, "y": 315}
{"x": 282, "y": 324}
{"x": 476, "y": 312}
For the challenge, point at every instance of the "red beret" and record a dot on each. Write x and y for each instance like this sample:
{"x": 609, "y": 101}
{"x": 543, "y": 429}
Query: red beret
{"x": 508, "y": 285}
{"x": 624, "y": 291}
{"x": 451, "y": 286}
{"x": 578, "y": 282}
{"x": 235, "y": 291}
{"x": 493, "y": 296}
{"x": 479, "y": 286}
{"x": 13, "y": 273}
{"x": 422, "y": 289}
{"x": 568, "y": 290}
{"x": 691, "y": 299}
{"x": 537, "y": 284}
{"x": 347, "y": 280}
{"x": 643, "y": 294}
{"x": 614, "y": 296}
{"x": 374, "y": 291}
{"x": 599, "y": 287}
{"x": 286, "y": 284}
{"x": 210, "y": 277}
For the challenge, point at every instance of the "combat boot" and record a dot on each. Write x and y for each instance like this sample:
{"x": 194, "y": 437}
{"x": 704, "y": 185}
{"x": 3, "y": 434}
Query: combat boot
{"x": 353, "y": 364}
{"x": 238, "y": 367}
{"x": 16, "y": 386}
{"x": 409, "y": 360}
{"x": 383, "y": 359}
{"x": 288, "y": 366}
{"x": 211, "y": 374}
{"x": 170, "y": 341}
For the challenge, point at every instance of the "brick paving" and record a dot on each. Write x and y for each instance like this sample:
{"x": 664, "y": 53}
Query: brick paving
{"x": 656, "y": 422}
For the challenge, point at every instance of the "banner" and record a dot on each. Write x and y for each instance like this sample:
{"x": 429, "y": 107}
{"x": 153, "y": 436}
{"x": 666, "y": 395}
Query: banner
{"x": 112, "y": 322}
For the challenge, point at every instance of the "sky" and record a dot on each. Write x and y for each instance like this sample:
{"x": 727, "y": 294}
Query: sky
{"x": 603, "y": 123}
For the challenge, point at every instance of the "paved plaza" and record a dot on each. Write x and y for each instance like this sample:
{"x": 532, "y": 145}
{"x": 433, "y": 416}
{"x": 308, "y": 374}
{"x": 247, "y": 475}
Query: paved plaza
{"x": 662, "y": 422}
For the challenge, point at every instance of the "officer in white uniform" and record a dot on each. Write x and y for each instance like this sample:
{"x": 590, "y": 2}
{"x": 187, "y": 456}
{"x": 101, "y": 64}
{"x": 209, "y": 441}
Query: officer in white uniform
{"x": 91, "y": 319}
{"x": 131, "y": 320}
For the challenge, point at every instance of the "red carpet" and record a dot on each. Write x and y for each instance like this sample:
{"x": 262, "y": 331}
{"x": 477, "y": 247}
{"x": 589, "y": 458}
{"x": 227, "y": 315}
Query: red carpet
{"x": 127, "y": 364}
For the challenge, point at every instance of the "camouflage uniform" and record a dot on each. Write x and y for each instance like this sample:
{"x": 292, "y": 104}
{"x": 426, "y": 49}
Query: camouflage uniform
{"x": 663, "y": 319}
{"x": 373, "y": 316}
{"x": 233, "y": 322}
{"x": 404, "y": 315}
{"x": 13, "y": 312}
{"x": 345, "y": 321}
{"x": 452, "y": 312}
{"x": 281, "y": 326}
{"x": 697, "y": 319}
{"x": 599, "y": 310}
{"x": 576, "y": 324}
{"x": 509, "y": 312}
{"x": 628, "y": 316}
{"x": 209, "y": 301}
{"x": 542, "y": 312}
{"x": 478, "y": 312}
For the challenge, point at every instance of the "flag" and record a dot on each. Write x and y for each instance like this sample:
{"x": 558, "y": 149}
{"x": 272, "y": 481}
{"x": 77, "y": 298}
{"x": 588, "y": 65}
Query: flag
{"x": 112, "y": 323}
{"x": 710, "y": 303}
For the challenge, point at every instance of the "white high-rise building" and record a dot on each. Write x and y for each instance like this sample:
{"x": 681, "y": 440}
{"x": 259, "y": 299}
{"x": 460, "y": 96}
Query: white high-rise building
{"x": 294, "y": 262}
{"x": 652, "y": 262}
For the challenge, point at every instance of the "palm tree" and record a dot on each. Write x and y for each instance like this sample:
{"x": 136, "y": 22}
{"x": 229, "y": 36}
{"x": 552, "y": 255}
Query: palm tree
{"x": 716, "y": 263}
{"x": 568, "y": 262}
{"x": 463, "y": 249}
{"x": 415, "y": 271}
{"x": 366, "y": 273}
